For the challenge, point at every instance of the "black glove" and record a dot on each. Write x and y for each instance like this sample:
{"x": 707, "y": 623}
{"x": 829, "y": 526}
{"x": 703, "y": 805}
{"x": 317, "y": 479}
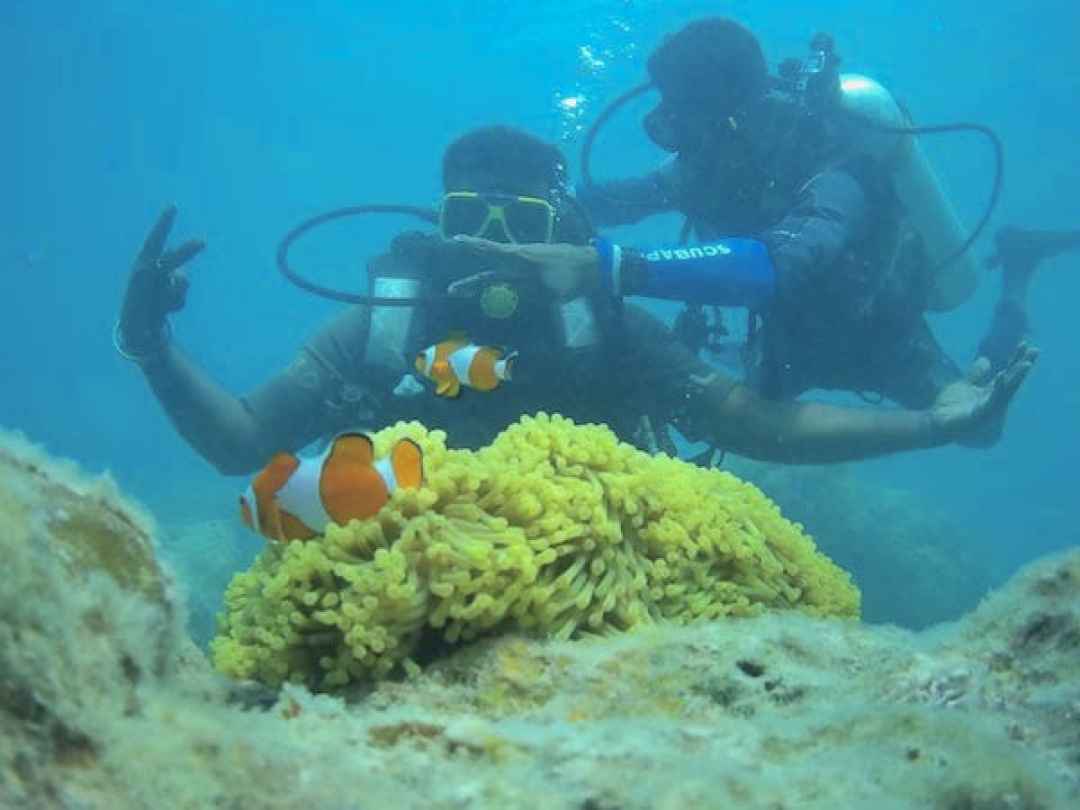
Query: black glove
{"x": 157, "y": 286}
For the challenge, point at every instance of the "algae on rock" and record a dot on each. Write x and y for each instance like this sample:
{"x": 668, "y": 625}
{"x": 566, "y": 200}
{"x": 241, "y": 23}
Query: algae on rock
{"x": 103, "y": 706}
{"x": 89, "y": 617}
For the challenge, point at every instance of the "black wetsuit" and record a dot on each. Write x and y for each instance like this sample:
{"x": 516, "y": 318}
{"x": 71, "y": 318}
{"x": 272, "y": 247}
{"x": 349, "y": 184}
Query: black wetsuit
{"x": 851, "y": 282}
{"x": 339, "y": 381}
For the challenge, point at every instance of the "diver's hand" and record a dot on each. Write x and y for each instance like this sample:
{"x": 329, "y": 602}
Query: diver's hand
{"x": 156, "y": 287}
{"x": 972, "y": 412}
{"x": 564, "y": 269}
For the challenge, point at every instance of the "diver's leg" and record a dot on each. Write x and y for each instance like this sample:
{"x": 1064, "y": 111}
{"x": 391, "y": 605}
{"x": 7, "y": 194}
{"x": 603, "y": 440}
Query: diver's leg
{"x": 1019, "y": 253}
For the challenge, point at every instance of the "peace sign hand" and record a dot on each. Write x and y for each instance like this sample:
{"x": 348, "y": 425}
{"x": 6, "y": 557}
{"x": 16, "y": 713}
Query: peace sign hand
{"x": 156, "y": 287}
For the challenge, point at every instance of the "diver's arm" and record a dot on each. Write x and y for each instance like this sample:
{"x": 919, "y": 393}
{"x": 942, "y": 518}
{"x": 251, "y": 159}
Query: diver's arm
{"x": 742, "y": 421}
{"x": 738, "y": 272}
{"x": 624, "y": 202}
{"x": 725, "y": 272}
{"x": 289, "y": 410}
{"x": 210, "y": 419}
{"x": 736, "y": 417}
{"x": 829, "y": 214}
{"x": 307, "y": 400}
{"x": 706, "y": 404}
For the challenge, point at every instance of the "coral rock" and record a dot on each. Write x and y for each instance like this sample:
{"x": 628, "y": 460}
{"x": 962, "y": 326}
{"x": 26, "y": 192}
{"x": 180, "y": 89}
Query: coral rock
{"x": 779, "y": 710}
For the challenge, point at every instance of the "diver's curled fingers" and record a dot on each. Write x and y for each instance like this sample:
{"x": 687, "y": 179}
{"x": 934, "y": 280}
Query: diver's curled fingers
{"x": 177, "y": 257}
{"x": 1009, "y": 379}
{"x": 175, "y": 293}
{"x": 548, "y": 254}
{"x": 479, "y": 245}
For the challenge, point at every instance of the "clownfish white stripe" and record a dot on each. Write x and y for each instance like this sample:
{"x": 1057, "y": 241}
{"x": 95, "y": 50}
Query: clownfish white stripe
{"x": 461, "y": 361}
{"x": 300, "y": 495}
{"x": 429, "y": 358}
{"x": 385, "y": 468}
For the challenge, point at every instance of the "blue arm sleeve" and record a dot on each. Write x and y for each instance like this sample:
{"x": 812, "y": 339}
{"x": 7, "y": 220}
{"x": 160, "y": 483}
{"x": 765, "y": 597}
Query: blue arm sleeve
{"x": 727, "y": 272}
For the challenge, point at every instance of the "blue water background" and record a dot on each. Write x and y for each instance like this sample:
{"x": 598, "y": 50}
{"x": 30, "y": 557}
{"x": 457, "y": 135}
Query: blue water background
{"x": 251, "y": 116}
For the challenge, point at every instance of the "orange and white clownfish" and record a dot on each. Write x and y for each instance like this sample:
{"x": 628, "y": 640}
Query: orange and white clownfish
{"x": 294, "y": 498}
{"x": 456, "y": 362}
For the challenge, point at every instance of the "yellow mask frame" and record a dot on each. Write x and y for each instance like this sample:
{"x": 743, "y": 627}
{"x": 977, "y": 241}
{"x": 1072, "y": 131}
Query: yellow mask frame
{"x": 522, "y": 218}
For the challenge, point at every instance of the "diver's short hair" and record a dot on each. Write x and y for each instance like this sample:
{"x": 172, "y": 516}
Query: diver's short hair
{"x": 518, "y": 161}
{"x": 714, "y": 61}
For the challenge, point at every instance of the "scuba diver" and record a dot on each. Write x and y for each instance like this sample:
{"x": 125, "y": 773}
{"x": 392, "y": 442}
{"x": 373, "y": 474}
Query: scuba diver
{"x": 813, "y": 207}
{"x": 469, "y": 344}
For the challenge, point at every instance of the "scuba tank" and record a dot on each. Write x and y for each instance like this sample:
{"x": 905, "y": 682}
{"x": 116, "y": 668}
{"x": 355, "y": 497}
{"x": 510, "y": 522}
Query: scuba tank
{"x": 886, "y": 136}
{"x": 868, "y": 121}
{"x": 393, "y": 330}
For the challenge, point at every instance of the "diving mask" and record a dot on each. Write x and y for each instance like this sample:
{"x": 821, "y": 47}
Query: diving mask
{"x": 662, "y": 128}
{"x": 682, "y": 129}
{"x": 522, "y": 219}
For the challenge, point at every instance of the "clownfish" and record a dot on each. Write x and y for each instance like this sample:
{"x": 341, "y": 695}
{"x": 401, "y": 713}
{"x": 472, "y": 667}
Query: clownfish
{"x": 456, "y": 362}
{"x": 294, "y": 499}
